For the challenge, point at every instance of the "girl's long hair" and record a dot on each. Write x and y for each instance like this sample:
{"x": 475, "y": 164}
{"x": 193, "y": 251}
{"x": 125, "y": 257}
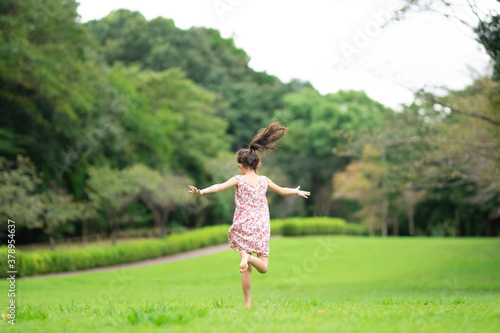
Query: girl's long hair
{"x": 262, "y": 142}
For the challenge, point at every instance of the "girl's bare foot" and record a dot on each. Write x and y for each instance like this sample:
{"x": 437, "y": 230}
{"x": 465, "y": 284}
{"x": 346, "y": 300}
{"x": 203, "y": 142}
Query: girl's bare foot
{"x": 248, "y": 304}
{"x": 244, "y": 261}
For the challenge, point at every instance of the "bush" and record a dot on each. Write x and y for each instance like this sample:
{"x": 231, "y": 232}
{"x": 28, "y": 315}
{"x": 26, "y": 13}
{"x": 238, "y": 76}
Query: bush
{"x": 46, "y": 261}
{"x": 277, "y": 226}
{"x": 319, "y": 226}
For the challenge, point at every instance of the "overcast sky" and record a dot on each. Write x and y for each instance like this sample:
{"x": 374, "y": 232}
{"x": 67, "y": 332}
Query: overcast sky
{"x": 334, "y": 44}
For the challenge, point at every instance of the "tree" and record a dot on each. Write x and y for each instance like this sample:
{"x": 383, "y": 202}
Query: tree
{"x": 86, "y": 211}
{"x": 171, "y": 122}
{"x": 488, "y": 34}
{"x": 469, "y": 145}
{"x": 162, "y": 193}
{"x": 246, "y": 99}
{"x": 409, "y": 200}
{"x": 317, "y": 123}
{"x": 53, "y": 90}
{"x": 58, "y": 209}
{"x": 448, "y": 147}
{"x": 362, "y": 181}
{"x": 19, "y": 182}
{"x": 111, "y": 193}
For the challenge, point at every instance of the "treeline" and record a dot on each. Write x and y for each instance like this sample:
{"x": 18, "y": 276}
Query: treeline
{"x": 103, "y": 125}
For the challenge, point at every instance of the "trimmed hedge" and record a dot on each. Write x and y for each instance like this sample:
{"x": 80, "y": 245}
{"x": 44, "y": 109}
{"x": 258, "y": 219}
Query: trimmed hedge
{"x": 299, "y": 226}
{"x": 47, "y": 261}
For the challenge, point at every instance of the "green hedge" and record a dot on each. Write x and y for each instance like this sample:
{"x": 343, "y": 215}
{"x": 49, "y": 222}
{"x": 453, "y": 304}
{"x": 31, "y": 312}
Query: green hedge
{"x": 46, "y": 261}
{"x": 300, "y": 226}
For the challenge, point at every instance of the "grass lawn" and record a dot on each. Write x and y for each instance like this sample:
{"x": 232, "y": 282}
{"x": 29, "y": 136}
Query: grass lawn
{"x": 314, "y": 284}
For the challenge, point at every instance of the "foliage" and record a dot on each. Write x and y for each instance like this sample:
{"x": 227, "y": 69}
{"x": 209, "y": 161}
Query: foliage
{"x": 123, "y": 91}
{"x": 318, "y": 123}
{"x": 171, "y": 122}
{"x": 18, "y": 185}
{"x": 248, "y": 98}
{"x": 59, "y": 209}
{"x": 488, "y": 34}
{"x": 467, "y": 142}
{"x": 161, "y": 193}
{"x": 363, "y": 181}
{"x": 319, "y": 226}
{"x": 431, "y": 150}
{"x": 111, "y": 193}
{"x": 51, "y": 86}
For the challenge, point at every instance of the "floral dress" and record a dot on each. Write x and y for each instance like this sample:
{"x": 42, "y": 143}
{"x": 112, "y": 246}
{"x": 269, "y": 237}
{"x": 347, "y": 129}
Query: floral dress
{"x": 250, "y": 230}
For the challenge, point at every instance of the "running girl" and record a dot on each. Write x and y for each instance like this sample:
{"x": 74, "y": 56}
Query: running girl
{"x": 251, "y": 230}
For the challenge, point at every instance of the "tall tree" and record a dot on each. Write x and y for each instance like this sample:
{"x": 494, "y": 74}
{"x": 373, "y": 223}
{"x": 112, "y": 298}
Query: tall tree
{"x": 59, "y": 209}
{"x": 435, "y": 145}
{"x": 52, "y": 88}
{"x": 111, "y": 193}
{"x": 162, "y": 193}
{"x": 362, "y": 181}
{"x": 19, "y": 183}
{"x": 170, "y": 121}
{"x": 248, "y": 98}
{"x": 317, "y": 123}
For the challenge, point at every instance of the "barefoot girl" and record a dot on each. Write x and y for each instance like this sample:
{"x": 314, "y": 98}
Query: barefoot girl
{"x": 251, "y": 230}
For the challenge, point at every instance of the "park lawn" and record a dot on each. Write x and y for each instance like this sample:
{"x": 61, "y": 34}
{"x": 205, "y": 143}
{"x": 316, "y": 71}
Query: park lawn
{"x": 314, "y": 284}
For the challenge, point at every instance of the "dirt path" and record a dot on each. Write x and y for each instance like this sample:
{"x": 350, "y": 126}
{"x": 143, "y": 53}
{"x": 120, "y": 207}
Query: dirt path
{"x": 162, "y": 260}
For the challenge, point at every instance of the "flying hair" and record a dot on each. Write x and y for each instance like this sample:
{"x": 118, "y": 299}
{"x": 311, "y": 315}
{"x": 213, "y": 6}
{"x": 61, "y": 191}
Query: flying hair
{"x": 266, "y": 138}
{"x": 262, "y": 142}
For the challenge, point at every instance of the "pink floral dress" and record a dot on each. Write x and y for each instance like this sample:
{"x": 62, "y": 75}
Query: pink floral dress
{"x": 251, "y": 230}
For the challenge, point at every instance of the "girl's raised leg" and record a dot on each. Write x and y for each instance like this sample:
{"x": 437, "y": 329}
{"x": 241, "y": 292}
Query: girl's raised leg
{"x": 244, "y": 261}
{"x": 259, "y": 262}
{"x": 246, "y": 284}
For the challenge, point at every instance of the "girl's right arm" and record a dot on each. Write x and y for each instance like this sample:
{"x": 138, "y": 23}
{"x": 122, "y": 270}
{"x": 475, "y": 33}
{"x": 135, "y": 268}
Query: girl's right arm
{"x": 214, "y": 188}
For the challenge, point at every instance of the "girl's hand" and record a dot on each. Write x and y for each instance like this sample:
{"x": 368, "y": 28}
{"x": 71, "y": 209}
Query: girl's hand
{"x": 194, "y": 190}
{"x": 304, "y": 194}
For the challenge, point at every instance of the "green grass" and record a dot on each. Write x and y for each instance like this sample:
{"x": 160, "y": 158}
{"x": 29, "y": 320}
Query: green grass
{"x": 316, "y": 284}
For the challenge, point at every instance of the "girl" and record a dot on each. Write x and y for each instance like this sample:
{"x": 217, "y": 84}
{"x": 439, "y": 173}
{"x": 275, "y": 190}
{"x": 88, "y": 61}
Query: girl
{"x": 251, "y": 230}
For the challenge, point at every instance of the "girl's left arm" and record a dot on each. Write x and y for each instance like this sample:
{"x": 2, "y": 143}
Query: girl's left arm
{"x": 286, "y": 191}
{"x": 214, "y": 188}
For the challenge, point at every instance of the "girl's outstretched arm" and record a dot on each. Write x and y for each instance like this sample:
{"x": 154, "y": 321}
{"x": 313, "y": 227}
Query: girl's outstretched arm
{"x": 285, "y": 190}
{"x": 214, "y": 188}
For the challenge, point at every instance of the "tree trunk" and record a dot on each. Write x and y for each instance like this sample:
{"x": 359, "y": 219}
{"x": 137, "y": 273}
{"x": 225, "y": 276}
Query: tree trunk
{"x": 411, "y": 213}
{"x": 385, "y": 203}
{"x": 163, "y": 230}
{"x": 199, "y": 218}
{"x": 164, "y": 220}
{"x": 322, "y": 204}
{"x": 322, "y": 196}
{"x": 84, "y": 230}
{"x": 372, "y": 224}
{"x": 396, "y": 226}
{"x": 287, "y": 205}
{"x": 52, "y": 242}
{"x": 114, "y": 233}
{"x": 385, "y": 209}
{"x": 156, "y": 217}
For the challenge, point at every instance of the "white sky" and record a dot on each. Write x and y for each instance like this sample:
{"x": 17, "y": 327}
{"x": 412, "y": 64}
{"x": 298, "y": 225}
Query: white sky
{"x": 334, "y": 44}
